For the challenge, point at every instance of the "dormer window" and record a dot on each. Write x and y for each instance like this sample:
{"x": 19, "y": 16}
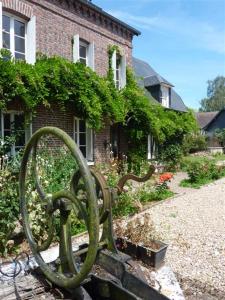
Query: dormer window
{"x": 14, "y": 36}
{"x": 165, "y": 96}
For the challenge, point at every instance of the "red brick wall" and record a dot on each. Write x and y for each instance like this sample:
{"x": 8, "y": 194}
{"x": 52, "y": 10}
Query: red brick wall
{"x": 57, "y": 22}
{"x": 54, "y": 116}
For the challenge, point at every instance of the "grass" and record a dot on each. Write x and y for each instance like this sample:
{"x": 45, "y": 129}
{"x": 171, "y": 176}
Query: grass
{"x": 195, "y": 185}
{"x": 146, "y": 197}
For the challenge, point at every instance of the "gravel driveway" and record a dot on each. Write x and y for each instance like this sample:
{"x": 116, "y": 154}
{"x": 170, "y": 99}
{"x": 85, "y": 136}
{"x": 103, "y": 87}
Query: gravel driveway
{"x": 193, "y": 224}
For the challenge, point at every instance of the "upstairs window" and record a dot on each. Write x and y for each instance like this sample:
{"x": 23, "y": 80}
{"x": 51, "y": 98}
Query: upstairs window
{"x": 119, "y": 69}
{"x": 83, "y": 137}
{"x": 83, "y": 52}
{"x": 14, "y": 36}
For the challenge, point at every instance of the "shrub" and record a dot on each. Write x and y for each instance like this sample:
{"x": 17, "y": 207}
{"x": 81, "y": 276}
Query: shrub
{"x": 171, "y": 156}
{"x": 201, "y": 172}
{"x": 193, "y": 143}
{"x": 9, "y": 202}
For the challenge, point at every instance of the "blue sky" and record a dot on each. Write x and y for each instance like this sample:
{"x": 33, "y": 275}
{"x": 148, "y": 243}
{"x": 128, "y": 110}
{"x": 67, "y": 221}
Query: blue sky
{"x": 183, "y": 40}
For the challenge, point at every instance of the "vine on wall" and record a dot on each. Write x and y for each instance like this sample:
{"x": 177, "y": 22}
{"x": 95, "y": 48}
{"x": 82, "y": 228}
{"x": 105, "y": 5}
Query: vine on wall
{"x": 94, "y": 98}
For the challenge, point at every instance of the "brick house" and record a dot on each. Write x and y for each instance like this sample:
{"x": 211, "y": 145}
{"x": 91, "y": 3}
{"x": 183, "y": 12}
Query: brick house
{"x": 79, "y": 31}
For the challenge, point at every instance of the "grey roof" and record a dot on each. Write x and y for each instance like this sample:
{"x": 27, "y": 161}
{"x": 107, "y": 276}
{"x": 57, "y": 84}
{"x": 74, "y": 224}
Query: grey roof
{"x": 147, "y": 76}
{"x": 177, "y": 102}
{"x": 150, "y": 76}
{"x": 204, "y": 118}
{"x": 104, "y": 13}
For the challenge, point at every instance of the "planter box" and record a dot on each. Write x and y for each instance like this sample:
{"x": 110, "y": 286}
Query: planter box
{"x": 152, "y": 256}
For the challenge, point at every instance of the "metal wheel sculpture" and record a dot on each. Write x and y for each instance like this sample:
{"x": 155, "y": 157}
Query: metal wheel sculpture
{"x": 68, "y": 275}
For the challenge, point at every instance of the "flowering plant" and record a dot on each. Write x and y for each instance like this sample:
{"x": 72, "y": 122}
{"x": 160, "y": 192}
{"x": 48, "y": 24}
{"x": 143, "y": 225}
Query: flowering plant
{"x": 162, "y": 184}
{"x": 165, "y": 177}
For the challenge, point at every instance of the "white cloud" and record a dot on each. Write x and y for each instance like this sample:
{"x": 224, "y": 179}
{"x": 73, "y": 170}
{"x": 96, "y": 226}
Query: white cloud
{"x": 193, "y": 32}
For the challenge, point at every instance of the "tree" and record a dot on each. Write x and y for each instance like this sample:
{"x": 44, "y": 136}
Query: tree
{"x": 215, "y": 95}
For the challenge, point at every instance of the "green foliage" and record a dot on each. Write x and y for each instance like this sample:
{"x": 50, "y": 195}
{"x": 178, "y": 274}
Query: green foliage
{"x": 215, "y": 95}
{"x": 220, "y": 135}
{"x": 171, "y": 155}
{"x": 124, "y": 206}
{"x": 157, "y": 195}
{"x": 143, "y": 117}
{"x": 201, "y": 172}
{"x": 193, "y": 143}
{"x": 57, "y": 80}
{"x": 9, "y": 202}
{"x": 95, "y": 99}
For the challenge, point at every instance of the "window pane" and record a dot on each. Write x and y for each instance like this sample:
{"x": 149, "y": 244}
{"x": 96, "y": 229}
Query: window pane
{"x": 19, "y": 56}
{"x": 82, "y": 139}
{"x": 82, "y": 126}
{"x": 6, "y": 40}
{"x": 6, "y": 23}
{"x": 19, "y": 28}
{"x": 19, "y": 44}
{"x": 117, "y": 74}
{"x": 83, "y": 150}
{"x": 83, "y": 51}
{"x": 6, "y": 121}
{"x": 19, "y": 121}
{"x": 20, "y": 138}
{"x": 7, "y": 133}
{"x": 118, "y": 62}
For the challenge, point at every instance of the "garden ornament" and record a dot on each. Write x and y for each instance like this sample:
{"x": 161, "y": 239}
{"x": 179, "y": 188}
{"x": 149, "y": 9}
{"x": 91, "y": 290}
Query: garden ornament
{"x": 73, "y": 270}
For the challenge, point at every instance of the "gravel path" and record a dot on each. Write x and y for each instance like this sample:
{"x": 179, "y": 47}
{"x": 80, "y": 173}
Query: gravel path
{"x": 193, "y": 224}
{"x": 174, "y": 184}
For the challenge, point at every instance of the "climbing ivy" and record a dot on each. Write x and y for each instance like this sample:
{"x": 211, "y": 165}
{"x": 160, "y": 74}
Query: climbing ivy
{"x": 94, "y": 98}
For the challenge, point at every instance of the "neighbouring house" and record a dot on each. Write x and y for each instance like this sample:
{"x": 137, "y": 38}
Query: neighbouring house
{"x": 209, "y": 122}
{"x": 79, "y": 31}
{"x": 159, "y": 91}
{"x": 204, "y": 119}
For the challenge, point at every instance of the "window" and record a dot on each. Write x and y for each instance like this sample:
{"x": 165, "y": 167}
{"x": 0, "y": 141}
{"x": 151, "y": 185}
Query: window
{"x": 151, "y": 147}
{"x": 13, "y": 124}
{"x": 165, "y": 96}
{"x": 83, "y": 52}
{"x": 119, "y": 69}
{"x": 18, "y": 36}
{"x": 14, "y": 36}
{"x": 83, "y": 137}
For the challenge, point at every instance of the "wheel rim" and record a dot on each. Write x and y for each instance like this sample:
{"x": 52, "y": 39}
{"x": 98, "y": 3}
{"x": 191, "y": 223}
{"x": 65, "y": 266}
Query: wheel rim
{"x": 93, "y": 220}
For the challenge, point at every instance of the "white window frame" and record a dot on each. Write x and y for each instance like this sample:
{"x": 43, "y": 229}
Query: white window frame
{"x": 121, "y": 82}
{"x": 165, "y": 98}
{"x": 27, "y": 130}
{"x": 151, "y": 147}
{"x": 86, "y": 46}
{"x": 90, "y": 58}
{"x": 30, "y": 36}
{"x": 88, "y": 144}
{"x": 12, "y": 33}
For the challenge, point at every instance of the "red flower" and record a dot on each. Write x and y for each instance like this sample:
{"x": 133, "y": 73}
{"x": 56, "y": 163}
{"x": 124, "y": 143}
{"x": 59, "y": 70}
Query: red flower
{"x": 165, "y": 177}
